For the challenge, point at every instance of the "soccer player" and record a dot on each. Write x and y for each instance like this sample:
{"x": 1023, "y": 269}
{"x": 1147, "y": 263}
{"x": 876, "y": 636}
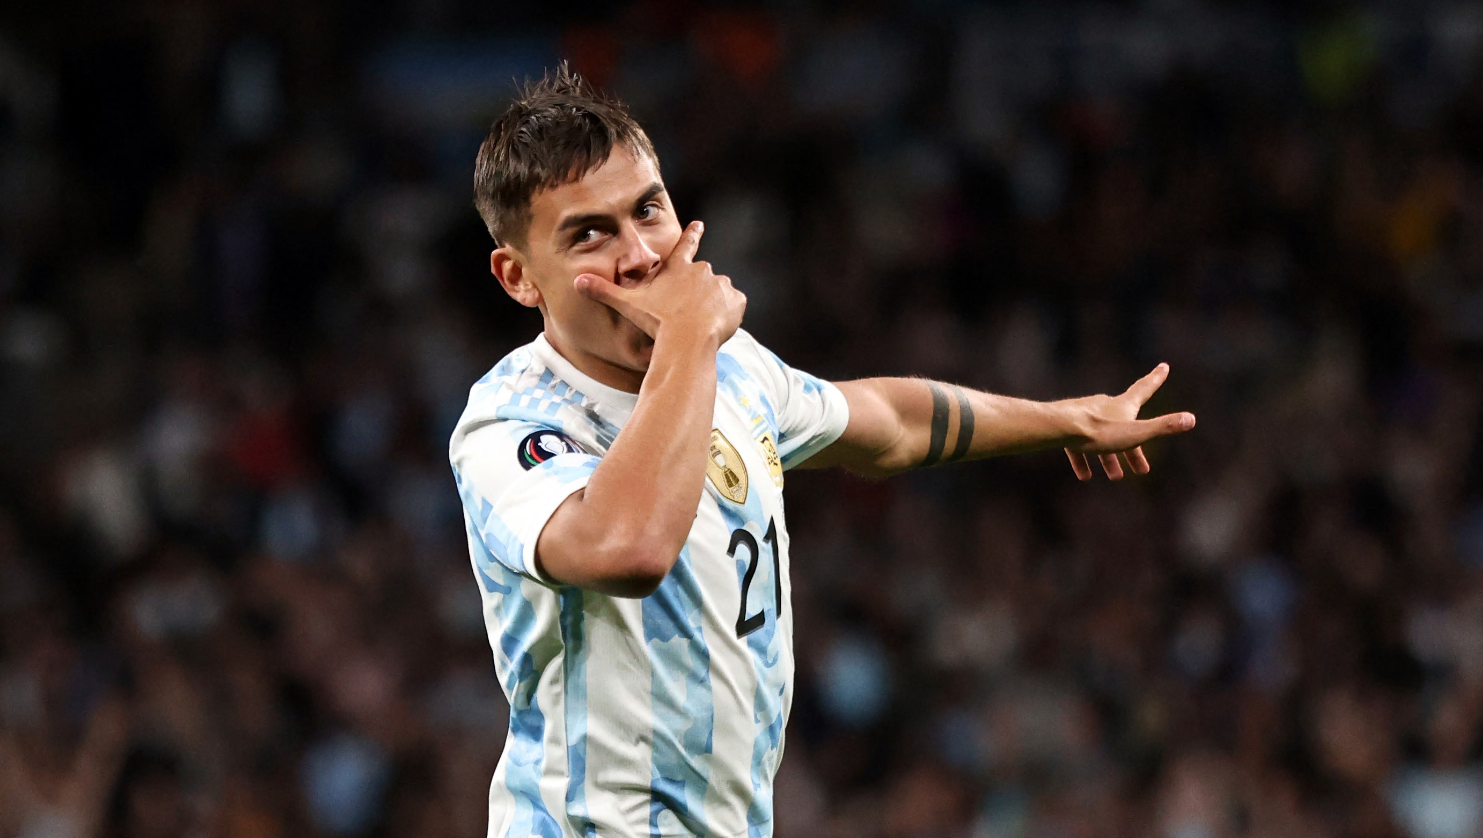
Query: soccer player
{"x": 622, "y": 477}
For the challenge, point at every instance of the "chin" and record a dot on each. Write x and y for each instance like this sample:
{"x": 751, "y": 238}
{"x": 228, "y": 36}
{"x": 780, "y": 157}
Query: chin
{"x": 634, "y": 354}
{"x": 644, "y": 353}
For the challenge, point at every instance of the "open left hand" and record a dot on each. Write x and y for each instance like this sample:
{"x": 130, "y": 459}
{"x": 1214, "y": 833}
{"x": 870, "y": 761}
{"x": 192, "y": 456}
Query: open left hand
{"x": 1114, "y": 433}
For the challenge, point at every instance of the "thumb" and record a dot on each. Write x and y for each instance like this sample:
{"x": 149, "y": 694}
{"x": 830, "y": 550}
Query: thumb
{"x": 1166, "y": 425}
{"x": 1121, "y": 436}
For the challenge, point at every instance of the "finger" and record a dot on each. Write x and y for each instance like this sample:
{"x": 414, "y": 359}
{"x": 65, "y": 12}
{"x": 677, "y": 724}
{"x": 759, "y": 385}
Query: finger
{"x": 1166, "y": 425}
{"x": 1132, "y": 434}
{"x": 603, "y": 290}
{"x": 738, "y": 300}
{"x": 1079, "y": 465}
{"x": 600, "y": 288}
{"x": 1136, "y": 461}
{"x": 689, "y": 243}
{"x": 1111, "y": 465}
{"x": 1144, "y": 388}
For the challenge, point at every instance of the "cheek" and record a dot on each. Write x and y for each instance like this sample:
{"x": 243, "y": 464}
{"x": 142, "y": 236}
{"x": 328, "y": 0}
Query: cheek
{"x": 560, "y": 294}
{"x": 592, "y": 315}
{"x": 664, "y": 238}
{"x": 578, "y": 313}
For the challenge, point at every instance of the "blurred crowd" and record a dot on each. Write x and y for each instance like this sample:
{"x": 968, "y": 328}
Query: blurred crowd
{"x": 243, "y": 294}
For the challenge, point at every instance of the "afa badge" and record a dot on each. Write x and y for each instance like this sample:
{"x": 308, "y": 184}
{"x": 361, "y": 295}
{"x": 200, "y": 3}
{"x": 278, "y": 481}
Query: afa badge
{"x": 542, "y": 446}
{"x": 770, "y": 456}
{"x": 725, "y": 469}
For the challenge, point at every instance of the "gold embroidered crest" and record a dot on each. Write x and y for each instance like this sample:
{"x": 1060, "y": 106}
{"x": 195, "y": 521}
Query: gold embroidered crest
{"x": 725, "y": 469}
{"x": 770, "y": 454}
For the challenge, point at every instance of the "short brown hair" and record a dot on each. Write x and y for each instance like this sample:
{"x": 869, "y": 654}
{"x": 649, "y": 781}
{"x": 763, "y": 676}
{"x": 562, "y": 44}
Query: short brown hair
{"x": 556, "y": 130}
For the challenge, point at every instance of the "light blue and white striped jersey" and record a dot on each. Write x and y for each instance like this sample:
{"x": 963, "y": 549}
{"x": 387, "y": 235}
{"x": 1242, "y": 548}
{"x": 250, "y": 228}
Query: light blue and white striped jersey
{"x": 660, "y": 716}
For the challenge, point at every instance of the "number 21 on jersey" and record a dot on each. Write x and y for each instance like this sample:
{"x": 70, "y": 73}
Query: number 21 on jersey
{"x": 741, "y": 539}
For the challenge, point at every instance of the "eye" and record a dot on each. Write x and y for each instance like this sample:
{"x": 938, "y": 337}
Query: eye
{"x": 586, "y": 235}
{"x": 648, "y": 211}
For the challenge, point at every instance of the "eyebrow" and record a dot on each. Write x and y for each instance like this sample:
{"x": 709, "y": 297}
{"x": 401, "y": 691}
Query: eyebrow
{"x": 593, "y": 218}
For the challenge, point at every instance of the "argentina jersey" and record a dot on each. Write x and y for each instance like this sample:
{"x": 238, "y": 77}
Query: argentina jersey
{"x": 661, "y": 716}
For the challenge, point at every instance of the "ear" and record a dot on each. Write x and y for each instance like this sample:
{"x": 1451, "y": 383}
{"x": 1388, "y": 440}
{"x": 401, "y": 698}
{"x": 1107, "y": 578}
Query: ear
{"x": 506, "y": 265}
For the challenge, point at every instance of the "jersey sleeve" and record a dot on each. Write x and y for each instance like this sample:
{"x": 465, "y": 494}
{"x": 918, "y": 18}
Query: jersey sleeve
{"x": 811, "y": 413}
{"x": 512, "y": 475}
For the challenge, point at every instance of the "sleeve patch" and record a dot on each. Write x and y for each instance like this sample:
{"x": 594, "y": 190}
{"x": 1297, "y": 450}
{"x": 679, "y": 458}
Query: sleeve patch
{"x": 541, "y": 446}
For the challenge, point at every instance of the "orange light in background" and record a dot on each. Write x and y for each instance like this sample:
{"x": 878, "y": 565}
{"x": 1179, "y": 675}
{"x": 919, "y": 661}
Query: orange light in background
{"x": 593, "y": 52}
{"x": 743, "y": 43}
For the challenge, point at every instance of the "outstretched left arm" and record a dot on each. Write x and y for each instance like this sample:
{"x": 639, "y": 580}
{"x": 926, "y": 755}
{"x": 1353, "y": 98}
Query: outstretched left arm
{"x": 898, "y": 424}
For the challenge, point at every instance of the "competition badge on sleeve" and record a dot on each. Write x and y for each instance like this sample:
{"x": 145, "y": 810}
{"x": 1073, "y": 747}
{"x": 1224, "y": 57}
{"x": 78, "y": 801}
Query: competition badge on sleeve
{"x": 542, "y": 446}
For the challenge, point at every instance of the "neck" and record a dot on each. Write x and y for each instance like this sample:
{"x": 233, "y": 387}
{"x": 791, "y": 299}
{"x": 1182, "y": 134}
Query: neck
{"x": 600, "y": 370}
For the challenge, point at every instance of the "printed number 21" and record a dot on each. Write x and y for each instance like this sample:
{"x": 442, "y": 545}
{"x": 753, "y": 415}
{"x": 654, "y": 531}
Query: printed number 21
{"x": 746, "y": 625}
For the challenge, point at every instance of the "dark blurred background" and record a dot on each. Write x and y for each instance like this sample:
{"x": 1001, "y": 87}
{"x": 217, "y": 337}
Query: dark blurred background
{"x": 243, "y": 294}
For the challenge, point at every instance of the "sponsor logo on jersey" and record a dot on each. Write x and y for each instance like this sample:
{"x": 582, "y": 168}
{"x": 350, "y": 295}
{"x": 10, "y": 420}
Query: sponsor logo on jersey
{"x": 542, "y": 446}
{"x": 770, "y": 456}
{"x": 725, "y": 468}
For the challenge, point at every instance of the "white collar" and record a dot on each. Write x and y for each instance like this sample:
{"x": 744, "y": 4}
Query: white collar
{"x": 610, "y": 397}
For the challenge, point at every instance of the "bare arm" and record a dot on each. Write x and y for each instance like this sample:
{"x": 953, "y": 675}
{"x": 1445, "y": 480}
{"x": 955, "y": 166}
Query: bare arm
{"x": 898, "y": 424}
{"x": 622, "y": 533}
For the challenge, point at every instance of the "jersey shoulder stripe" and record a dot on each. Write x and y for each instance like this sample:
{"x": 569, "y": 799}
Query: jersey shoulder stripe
{"x": 521, "y": 388}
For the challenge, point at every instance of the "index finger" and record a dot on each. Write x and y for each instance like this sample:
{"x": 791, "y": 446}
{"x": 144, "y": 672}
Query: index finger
{"x": 1144, "y": 388}
{"x": 1079, "y": 465}
{"x": 689, "y": 242}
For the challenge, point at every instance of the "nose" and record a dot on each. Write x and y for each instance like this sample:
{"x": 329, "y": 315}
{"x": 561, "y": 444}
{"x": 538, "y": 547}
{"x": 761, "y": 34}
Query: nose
{"x": 636, "y": 259}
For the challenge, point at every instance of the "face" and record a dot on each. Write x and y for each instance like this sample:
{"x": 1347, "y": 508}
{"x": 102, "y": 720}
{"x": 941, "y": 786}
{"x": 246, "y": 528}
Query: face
{"x": 616, "y": 222}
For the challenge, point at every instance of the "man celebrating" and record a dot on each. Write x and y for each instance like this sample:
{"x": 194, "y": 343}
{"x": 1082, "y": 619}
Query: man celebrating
{"x": 622, "y": 480}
